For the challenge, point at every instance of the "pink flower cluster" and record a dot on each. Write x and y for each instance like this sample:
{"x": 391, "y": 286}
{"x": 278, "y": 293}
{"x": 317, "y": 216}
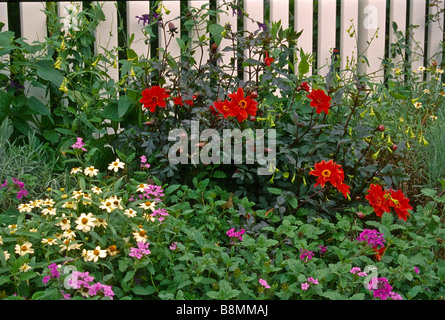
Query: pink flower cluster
{"x": 174, "y": 245}
{"x": 358, "y": 271}
{"x": 140, "y": 251}
{"x": 54, "y": 273}
{"x": 264, "y": 283}
{"x": 372, "y": 237}
{"x": 161, "y": 213}
{"x": 236, "y": 235}
{"x": 306, "y": 285}
{"x": 79, "y": 144}
{"x": 19, "y": 185}
{"x": 306, "y": 255}
{"x": 144, "y": 163}
{"x": 82, "y": 281}
{"x": 381, "y": 288}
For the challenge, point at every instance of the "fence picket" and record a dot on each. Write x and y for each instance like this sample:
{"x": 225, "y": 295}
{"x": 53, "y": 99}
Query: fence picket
{"x": 417, "y": 17}
{"x": 348, "y": 25}
{"x": 164, "y": 37}
{"x": 199, "y": 31}
{"x": 255, "y": 8}
{"x": 106, "y": 36}
{"x": 226, "y": 18}
{"x": 371, "y": 35}
{"x": 326, "y": 34}
{"x": 134, "y": 26}
{"x": 397, "y": 14}
{"x": 33, "y": 28}
{"x": 436, "y": 33}
{"x": 4, "y": 15}
{"x": 279, "y": 10}
{"x": 303, "y": 20}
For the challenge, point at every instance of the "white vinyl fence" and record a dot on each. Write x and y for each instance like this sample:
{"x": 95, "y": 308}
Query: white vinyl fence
{"x": 368, "y": 19}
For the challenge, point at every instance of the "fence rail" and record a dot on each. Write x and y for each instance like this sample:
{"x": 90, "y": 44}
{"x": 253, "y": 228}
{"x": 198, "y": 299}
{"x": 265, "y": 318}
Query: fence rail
{"x": 348, "y": 25}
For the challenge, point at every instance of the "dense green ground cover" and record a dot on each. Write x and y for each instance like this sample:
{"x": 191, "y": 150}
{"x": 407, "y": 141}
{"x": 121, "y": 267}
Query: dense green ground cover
{"x": 351, "y": 209}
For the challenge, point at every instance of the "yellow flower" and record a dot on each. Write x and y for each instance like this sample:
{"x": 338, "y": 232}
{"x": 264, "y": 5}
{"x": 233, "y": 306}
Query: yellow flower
{"x": 85, "y": 222}
{"x": 24, "y": 248}
{"x": 7, "y": 255}
{"x": 58, "y": 63}
{"x": 25, "y": 207}
{"x": 130, "y": 213}
{"x": 49, "y": 211}
{"x": 76, "y": 170}
{"x": 147, "y": 205}
{"x": 96, "y": 190}
{"x": 142, "y": 187}
{"x": 111, "y": 250}
{"x": 69, "y": 234}
{"x": 108, "y": 205}
{"x": 90, "y": 171}
{"x": 140, "y": 236}
{"x": 63, "y": 87}
{"x": 49, "y": 241}
{"x": 94, "y": 255}
{"x": 418, "y": 105}
{"x": 101, "y": 222}
{"x": 25, "y": 267}
{"x": 115, "y": 165}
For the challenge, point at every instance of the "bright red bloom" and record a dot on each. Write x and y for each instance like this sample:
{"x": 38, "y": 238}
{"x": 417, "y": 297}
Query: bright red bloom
{"x": 304, "y": 86}
{"x": 245, "y": 105}
{"x": 178, "y": 100}
{"x": 378, "y": 199}
{"x": 326, "y": 171}
{"x": 400, "y": 204}
{"x": 227, "y": 108}
{"x": 320, "y": 100}
{"x": 332, "y": 172}
{"x": 379, "y": 252}
{"x": 268, "y": 60}
{"x": 154, "y": 96}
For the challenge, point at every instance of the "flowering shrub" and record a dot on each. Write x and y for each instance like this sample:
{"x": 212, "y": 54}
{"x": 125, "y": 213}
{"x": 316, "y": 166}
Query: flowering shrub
{"x": 332, "y": 220}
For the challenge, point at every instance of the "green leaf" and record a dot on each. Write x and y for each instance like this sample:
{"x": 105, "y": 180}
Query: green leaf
{"x": 38, "y": 107}
{"x": 144, "y": 291}
{"x": 215, "y": 30}
{"x": 275, "y": 191}
{"x": 123, "y": 106}
{"x": 46, "y": 71}
{"x": 51, "y": 135}
{"x": 303, "y": 64}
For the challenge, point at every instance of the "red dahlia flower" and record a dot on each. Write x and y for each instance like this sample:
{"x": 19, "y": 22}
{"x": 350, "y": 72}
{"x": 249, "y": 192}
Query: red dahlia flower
{"x": 268, "y": 60}
{"x": 227, "y": 108}
{"x": 154, "y": 96}
{"x": 178, "y": 101}
{"x": 320, "y": 100}
{"x": 245, "y": 105}
{"x": 378, "y": 199}
{"x": 304, "y": 86}
{"x": 400, "y": 204}
{"x": 332, "y": 172}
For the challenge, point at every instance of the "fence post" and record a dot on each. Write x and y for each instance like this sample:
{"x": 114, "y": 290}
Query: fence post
{"x": 371, "y": 36}
{"x": 138, "y": 8}
{"x": 436, "y": 33}
{"x": 33, "y": 28}
{"x": 348, "y": 23}
{"x": 4, "y": 19}
{"x": 417, "y": 17}
{"x": 304, "y": 10}
{"x": 326, "y": 34}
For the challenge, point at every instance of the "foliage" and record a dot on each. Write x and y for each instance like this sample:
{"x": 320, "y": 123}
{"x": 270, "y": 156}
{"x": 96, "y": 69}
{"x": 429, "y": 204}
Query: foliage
{"x": 336, "y": 211}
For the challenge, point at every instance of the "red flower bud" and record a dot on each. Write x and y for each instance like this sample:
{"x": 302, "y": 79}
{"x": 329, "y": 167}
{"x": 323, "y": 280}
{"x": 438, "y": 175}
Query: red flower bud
{"x": 381, "y": 127}
{"x": 394, "y": 147}
{"x": 360, "y": 215}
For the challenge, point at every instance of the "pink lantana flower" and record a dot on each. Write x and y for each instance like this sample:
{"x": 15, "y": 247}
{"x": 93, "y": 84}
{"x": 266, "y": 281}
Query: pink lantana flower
{"x": 79, "y": 144}
{"x": 264, "y": 283}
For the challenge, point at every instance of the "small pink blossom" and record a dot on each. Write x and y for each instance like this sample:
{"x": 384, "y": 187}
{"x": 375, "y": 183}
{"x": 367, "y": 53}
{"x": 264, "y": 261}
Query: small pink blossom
{"x": 304, "y": 286}
{"x": 79, "y": 144}
{"x": 264, "y": 283}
